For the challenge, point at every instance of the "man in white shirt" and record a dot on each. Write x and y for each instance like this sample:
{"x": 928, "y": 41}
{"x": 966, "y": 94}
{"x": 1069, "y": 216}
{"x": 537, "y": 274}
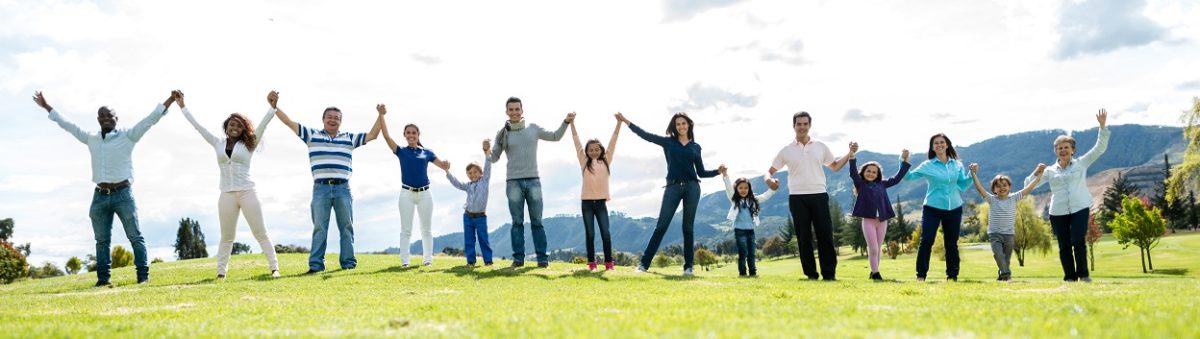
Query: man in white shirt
{"x": 112, "y": 171}
{"x": 807, "y": 197}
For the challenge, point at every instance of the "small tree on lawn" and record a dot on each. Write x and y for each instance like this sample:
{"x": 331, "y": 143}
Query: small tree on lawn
{"x": 705, "y": 258}
{"x": 121, "y": 257}
{"x": 240, "y": 248}
{"x": 74, "y": 265}
{"x": 662, "y": 260}
{"x": 1093, "y": 237}
{"x": 12, "y": 264}
{"x": 1032, "y": 233}
{"x": 1138, "y": 226}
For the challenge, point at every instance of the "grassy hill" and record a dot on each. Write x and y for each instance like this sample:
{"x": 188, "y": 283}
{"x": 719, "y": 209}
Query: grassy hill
{"x": 448, "y": 300}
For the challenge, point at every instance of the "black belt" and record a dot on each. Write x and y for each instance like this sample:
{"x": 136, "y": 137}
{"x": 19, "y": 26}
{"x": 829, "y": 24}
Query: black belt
{"x": 106, "y": 188}
{"x": 415, "y": 189}
{"x": 678, "y": 182}
{"x": 330, "y": 181}
{"x": 475, "y": 215}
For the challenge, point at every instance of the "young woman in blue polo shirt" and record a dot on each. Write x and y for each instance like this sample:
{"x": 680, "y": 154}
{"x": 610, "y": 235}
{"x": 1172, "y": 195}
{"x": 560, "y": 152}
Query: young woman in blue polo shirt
{"x": 684, "y": 170}
{"x": 872, "y": 204}
{"x": 415, "y": 195}
{"x": 947, "y": 178}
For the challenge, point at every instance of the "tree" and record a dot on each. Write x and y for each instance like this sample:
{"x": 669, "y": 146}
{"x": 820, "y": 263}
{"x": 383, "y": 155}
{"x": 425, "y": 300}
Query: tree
{"x": 189, "y": 240}
{"x": 663, "y": 260}
{"x": 624, "y": 259}
{"x": 838, "y": 225}
{"x": 898, "y": 229}
{"x": 1138, "y": 226}
{"x": 12, "y": 264}
{"x": 892, "y": 249}
{"x": 851, "y": 234}
{"x": 74, "y": 265}
{"x": 6, "y": 229}
{"x": 981, "y": 214}
{"x": 121, "y": 257}
{"x": 90, "y": 263}
{"x": 47, "y": 270}
{"x": 156, "y": 260}
{"x": 1093, "y": 237}
{"x": 971, "y": 223}
{"x": 25, "y": 251}
{"x": 788, "y": 230}
{"x": 453, "y": 251}
{"x": 240, "y": 248}
{"x": 1032, "y": 233}
{"x": 1120, "y": 188}
{"x": 1186, "y": 177}
{"x": 290, "y": 249}
{"x": 705, "y": 258}
{"x": 1193, "y": 218}
{"x": 1170, "y": 208}
{"x": 777, "y": 246}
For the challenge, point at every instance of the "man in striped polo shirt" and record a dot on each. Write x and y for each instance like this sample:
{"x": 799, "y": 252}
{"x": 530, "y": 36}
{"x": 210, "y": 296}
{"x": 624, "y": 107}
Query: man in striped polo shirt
{"x": 329, "y": 153}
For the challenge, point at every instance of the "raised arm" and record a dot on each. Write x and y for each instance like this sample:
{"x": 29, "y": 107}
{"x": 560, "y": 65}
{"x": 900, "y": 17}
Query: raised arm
{"x": 273, "y": 99}
{"x": 841, "y": 162}
{"x": 498, "y": 148}
{"x": 854, "y": 177}
{"x": 974, "y": 168}
{"x": 1101, "y": 140}
{"x": 579, "y": 151}
{"x": 208, "y": 136}
{"x": 654, "y": 138}
{"x": 558, "y": 133}
{"x": 612, "y": 143}
{"x": 1037, "y": 179}
{"x": 904, "y": 166}
{"x": 383, "y": 126}
{"x": 374, "y": 133}
{"x": 487, "y": 165}
{"x": 729, "y": 189}
{"x": 143, "y": 126}
{"x": 62, "y": 122}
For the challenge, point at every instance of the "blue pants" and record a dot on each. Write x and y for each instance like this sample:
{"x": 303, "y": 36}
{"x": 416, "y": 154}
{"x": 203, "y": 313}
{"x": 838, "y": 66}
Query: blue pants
{"x": 119, "y": 202}
{"x": 520, "y": 191}
{"x": 951, "y": 222}
{"x": 476, "y": 227}
{"x": 745, "y": 248}
{"x": 687, "y": 192}
{"x": 1071, "y": 231}
{"x": 338, "y": 199}
{"x": 595, "y": 213}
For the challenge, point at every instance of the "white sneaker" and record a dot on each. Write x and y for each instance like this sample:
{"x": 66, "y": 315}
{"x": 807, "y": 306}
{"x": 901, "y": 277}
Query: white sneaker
{"x": 427, "y": 263}
{"x": 275, "y": 274}
{"x": 640, "y": 269}
{"x": 687, "y": 272}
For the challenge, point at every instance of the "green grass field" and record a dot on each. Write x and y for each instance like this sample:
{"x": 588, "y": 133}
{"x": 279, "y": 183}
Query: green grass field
{"x": 381, "y": 299}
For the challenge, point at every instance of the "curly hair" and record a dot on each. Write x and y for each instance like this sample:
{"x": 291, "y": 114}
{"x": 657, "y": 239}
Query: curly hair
{"x": 248, "y": 137}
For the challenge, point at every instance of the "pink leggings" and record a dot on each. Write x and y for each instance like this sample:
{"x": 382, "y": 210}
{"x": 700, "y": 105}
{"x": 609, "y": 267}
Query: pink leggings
{"x": 874, "y": 230}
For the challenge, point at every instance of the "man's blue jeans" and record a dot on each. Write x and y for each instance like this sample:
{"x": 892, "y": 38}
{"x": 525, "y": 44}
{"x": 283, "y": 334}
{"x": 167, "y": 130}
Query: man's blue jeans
{"x": 520, "y": 191}
{"x": 338, "y": 199}
{"x": 119, "y": 202}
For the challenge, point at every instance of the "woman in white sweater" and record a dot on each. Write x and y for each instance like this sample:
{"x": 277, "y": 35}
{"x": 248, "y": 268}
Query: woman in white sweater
{"x": 234, "y": 151}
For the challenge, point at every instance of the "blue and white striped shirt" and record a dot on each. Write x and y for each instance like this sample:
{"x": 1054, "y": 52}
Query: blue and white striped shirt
{"x": 331, "y": 156}
{"x": 477, "y": 191}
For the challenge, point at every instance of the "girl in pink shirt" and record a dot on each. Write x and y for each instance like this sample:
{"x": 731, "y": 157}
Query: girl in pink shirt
{"x": 594, "y": 160}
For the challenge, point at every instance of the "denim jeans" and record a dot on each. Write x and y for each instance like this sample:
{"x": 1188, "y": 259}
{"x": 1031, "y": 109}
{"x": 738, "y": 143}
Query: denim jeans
{"x": 745, "y": 248}
{"x": 595, "y": 213}
{"x": 121, "y": 203}
{"x": 687, "y": 192}
{"x": 1071, "y": 231}
{"x": 519, "y": 192}
{"x": 810, "y": 216}
{"x": 951, "y": 222}
{"x": 338, "y": 199}
{"x": 476, "y": 227}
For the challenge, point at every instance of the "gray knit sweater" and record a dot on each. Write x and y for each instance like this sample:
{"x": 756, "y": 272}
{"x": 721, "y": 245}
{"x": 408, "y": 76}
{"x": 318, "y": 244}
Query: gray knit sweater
{"x": 520, "y": 143}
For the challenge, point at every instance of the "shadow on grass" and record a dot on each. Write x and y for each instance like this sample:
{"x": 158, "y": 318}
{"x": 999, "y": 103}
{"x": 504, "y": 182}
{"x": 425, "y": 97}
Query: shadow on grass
{"x": 1171, "y": 271}
{"x": 585, "y": 274}
{"x": 483, "y": 273}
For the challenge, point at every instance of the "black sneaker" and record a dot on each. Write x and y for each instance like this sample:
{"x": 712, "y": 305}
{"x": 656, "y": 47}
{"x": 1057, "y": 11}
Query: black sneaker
{"x": 543, "y": 264}
{"x": 954, "y": 279}
{"x": 143, "y": 280}
{"x": 518, "y": 263}
{"x": 103, "y": 284}
{"x": 311, "y": 272}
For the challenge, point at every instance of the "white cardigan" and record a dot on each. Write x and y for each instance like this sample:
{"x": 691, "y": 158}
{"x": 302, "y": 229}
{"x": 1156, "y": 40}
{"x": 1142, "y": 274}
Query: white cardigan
{"x": 235, "y": 170}
{"x": 730, "y": 191}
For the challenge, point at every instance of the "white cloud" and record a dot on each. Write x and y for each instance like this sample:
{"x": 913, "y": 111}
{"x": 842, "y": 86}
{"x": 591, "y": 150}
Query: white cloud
{"x": 857, "y": 115}
{"x": 1100, "y": 26}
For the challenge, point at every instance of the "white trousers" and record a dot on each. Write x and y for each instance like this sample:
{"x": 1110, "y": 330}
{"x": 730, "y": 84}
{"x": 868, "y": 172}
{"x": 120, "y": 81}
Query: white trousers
{"x": 422, "y": 203}
{"x": 227, "y": 209}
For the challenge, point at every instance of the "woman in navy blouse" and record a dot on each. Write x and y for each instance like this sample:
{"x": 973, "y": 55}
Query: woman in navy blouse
{"x": 414, "y": 177}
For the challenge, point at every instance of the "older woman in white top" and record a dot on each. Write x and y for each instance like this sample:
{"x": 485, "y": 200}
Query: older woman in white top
{"x": 234, "y": 151}
{"x": 1070, "y": 201}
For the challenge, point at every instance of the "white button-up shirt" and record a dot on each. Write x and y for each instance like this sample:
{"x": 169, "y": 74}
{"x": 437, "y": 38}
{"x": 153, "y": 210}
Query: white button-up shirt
{"x": 1068, "y": 186}
{"x": 112, "y": 154}
{"x": 235, "y": 169}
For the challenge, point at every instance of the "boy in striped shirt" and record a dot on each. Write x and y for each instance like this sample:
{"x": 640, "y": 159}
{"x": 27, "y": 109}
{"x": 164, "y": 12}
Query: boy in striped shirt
{"x": 1002, "y": 212}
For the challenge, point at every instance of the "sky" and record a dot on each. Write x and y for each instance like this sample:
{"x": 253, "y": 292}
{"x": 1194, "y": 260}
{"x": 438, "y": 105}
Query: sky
{"x": 886, "y": 74}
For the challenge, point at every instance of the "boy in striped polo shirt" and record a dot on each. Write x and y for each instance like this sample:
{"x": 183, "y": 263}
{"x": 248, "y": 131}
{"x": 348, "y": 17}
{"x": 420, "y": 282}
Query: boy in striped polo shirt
{"x": 1002, "y": 212}
{"x": 330, "y": 156}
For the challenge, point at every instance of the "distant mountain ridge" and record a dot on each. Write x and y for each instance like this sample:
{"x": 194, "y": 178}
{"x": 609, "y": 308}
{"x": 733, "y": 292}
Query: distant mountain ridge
{"x": 1131, "y": 147}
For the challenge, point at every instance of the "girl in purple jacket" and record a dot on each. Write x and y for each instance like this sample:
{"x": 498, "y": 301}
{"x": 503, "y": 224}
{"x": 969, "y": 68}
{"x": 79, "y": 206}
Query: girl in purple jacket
{"x": 872, "y": 204}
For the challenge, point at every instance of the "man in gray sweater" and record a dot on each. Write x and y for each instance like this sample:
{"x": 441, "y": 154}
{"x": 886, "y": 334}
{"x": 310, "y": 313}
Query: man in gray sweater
{"x": 519, "y": 141}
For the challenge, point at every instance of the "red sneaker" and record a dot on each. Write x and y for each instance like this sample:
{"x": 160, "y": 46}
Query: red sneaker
{"x": 592, "y": 266}
{"x": 608, "y": 266}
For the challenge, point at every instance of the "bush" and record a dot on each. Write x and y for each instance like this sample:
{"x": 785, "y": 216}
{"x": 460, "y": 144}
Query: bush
{"x": 47, "y": 270}
{"x": 121, "y": 257}
{"x": 290, "y": 249}
{"x": 662, "y": 260}
{"x": 12, "y": 264}
{"x": 74, "y": 265}
{"x": 579, "y": 260}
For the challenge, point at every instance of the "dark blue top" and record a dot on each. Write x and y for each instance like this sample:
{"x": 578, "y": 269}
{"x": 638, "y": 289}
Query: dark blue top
{"x": 872, "y": 200}
{"x": 683, "y": 161}
{"x": 414, "y": 165}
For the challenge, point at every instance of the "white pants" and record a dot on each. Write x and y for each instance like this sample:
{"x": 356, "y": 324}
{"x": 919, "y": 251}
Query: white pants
{"x": 227, "y": 208}
{"x": 423, "y": 202}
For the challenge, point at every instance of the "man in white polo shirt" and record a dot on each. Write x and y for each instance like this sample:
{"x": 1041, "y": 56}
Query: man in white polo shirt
{"x": 807, "y": 197}
{"x": 329, "y": 153}
{"x": 112, "y": 171}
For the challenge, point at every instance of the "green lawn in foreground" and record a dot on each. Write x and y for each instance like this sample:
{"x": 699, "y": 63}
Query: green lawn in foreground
{"x": 379, "y": 299}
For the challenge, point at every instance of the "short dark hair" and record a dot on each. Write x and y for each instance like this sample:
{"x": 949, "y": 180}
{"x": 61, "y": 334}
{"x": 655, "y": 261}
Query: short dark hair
{"x": 801, "y": 114}
{"x": 330, "y": 108}
{"x": 512, "y": 100}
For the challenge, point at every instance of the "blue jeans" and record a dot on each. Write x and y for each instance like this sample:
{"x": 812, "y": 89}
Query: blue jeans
{"x": 476, "y": 227}
{"x": 595, "y": 213}
{"x": 520, "y": 191}
{"x": 745, "y": 247}
{"x": 338, "y": 198}
{"x": 103, "y": 207}
{"x": 951, "y": 222}
{"x": 687, "y": 192}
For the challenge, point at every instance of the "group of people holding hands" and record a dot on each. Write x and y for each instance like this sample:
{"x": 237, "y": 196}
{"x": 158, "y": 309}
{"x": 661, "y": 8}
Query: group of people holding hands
{"x": 330, "y": 153}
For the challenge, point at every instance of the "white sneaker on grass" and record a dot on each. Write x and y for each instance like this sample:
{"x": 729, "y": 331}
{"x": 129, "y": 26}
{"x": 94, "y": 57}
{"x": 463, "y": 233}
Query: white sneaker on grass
{"x": 640, "y": 269}
{"x": 687, "y": 272}
{"x": 275, "y": 274}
